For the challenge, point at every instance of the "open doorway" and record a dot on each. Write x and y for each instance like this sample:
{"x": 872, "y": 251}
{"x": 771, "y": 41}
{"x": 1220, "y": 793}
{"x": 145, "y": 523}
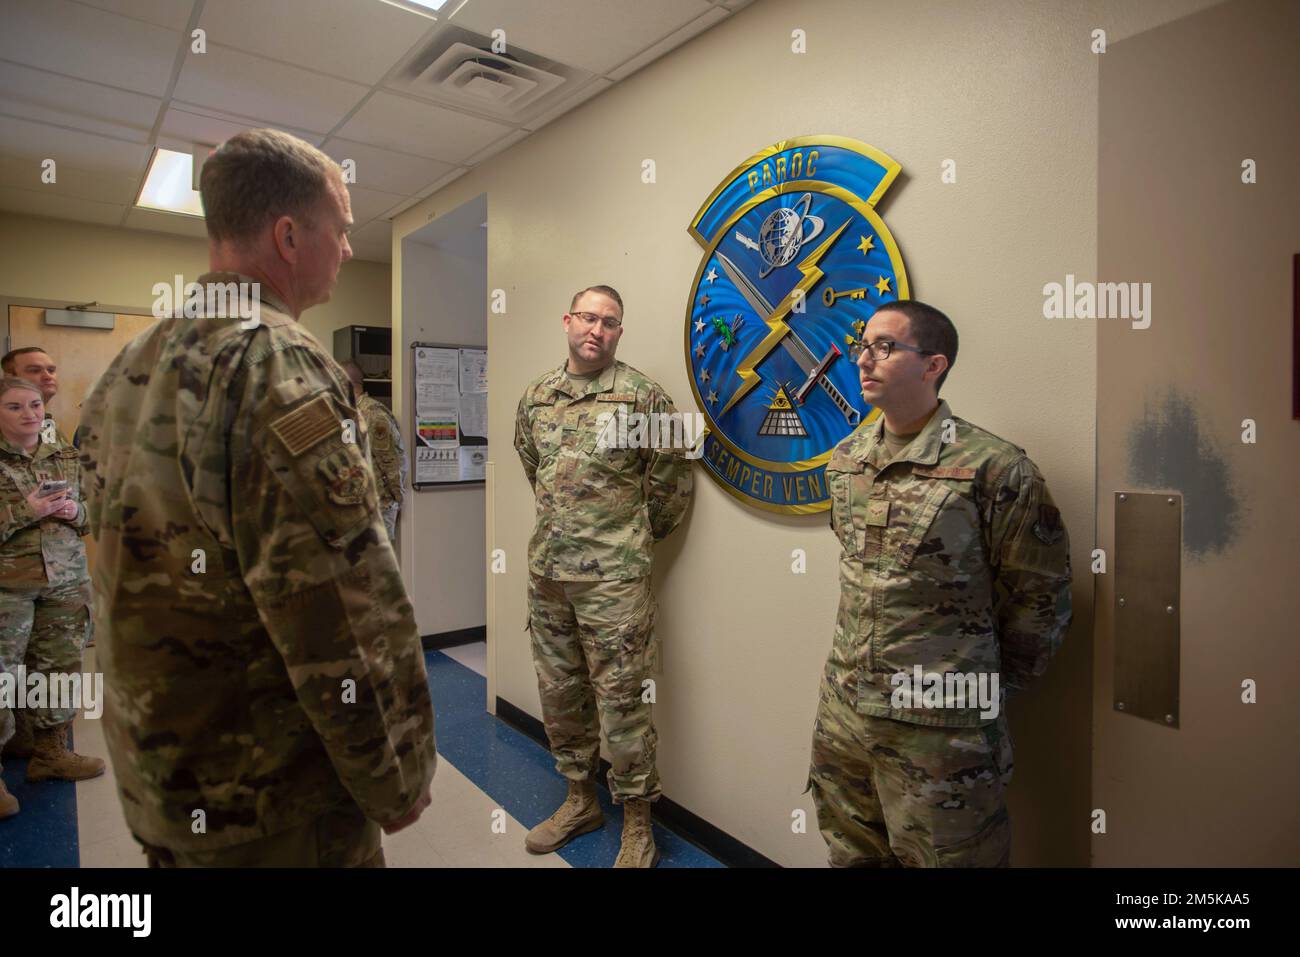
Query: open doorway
{"x": 443, "y": 268}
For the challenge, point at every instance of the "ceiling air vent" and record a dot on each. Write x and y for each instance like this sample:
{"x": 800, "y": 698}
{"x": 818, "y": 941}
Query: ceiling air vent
{"x": 484, "y": 80}
{"x": 459, "y": 68}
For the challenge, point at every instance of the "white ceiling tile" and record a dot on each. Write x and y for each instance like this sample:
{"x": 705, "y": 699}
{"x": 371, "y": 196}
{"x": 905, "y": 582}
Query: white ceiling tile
{"x": 450, "y": 177}
{"x": 373, "y": 242}
{"x": 166, "y": 223}
{"x": 442, "y": 184}
{"x": 52, "y": 98}
{"x": 594, "y": 35}
{"x": 649, "y": 55}
{"x": 386, "y": 170}
{"x": 172, "y": 14}
{"x": 407, "y": 202}
{"x": 234, "y": 82}
{"x": 321, "y": 34}
{"x": 37, "y": 203}
{"x": 116, "y": 188}
{"x": 426, "y": 193}
{"x": 497, "y": 147}
{"x": 88, "y": 43}
{"x": 598, "y": 85}
{"x": 37, "y": 141}
{"x": 369, "y": 203}
{"x": 186, "y": 125}
{"x": 413, "y": 126}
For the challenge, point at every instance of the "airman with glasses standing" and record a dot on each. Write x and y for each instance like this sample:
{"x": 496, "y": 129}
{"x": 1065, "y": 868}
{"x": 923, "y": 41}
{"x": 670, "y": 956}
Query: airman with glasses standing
{"x": 955, "y": 564}
{"x": 600, "y": 509}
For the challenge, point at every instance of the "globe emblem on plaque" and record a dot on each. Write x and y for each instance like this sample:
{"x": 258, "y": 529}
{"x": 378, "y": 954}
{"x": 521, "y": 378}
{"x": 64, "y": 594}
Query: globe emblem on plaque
{"x": 783, "y": 234}
{"x": 796, "y": 260}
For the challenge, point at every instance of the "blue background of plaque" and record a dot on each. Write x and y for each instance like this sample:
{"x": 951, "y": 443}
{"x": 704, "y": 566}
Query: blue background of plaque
{"x": 820, "y": 326}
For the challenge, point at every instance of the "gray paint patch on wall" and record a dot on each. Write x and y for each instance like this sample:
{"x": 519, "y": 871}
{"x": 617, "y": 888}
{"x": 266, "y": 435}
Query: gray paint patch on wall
{"x": 1168, "y": 449}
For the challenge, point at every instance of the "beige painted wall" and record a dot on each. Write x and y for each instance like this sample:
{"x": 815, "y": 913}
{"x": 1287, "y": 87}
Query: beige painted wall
{"x": 1006, "y": 89}
{"x": 56, "y": 260}
{"x": 1181, "y": 108}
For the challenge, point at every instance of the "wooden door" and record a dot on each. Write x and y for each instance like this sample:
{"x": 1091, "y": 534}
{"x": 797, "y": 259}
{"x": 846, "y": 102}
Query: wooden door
{"x": 80, "y": 356}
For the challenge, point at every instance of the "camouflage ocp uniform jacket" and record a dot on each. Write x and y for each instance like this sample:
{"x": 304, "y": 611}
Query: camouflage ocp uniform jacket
{"x": 387, "y": 453}
{"x": 599, "y": 510}
{"x": 40, "y": 551}
{"x": 953, "y": 558}
{"x": 261, "y": 658}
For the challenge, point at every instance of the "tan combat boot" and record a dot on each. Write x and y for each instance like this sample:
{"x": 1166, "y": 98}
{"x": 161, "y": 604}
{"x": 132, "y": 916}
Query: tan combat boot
{"x": 51, "y": 759}
{"x": 579, "y": 814}
{"x": 8, "y": 803}
{"x": 638, "y": 848}
{"x": 21, "y": 744}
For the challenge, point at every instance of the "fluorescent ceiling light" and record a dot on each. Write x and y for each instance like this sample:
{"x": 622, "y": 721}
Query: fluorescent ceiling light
{"x": 418, "y": 6}
{"x": 168, "y": 186}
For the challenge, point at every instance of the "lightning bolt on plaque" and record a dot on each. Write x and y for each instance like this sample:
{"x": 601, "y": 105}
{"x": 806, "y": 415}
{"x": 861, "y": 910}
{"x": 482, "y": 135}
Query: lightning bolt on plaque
{"x": 795, "y": 261}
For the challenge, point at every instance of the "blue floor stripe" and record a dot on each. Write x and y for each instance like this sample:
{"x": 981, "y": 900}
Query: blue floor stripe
{"x": 520, "y": 775}
{"x": 44, "y": 831}
{"x": 506, "y": 764}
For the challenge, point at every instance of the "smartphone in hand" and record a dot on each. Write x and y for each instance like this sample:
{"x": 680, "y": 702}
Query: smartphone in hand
{"x": 52, "y": 487}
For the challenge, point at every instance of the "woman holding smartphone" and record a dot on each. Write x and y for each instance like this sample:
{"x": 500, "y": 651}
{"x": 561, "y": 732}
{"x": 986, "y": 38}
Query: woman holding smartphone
{"x": 44, "y": 586}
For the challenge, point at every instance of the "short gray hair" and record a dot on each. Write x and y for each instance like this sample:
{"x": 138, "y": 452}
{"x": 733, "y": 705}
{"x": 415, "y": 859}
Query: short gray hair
{"x": 257, "y": 176}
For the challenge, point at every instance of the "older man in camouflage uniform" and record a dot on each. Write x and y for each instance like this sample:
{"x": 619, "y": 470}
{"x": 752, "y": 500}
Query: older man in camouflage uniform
{"x": 591, "y": 610}
{"x": 387, "y": 451}
{"x": 954, "y": 564}
{"x": 266, "y": 694}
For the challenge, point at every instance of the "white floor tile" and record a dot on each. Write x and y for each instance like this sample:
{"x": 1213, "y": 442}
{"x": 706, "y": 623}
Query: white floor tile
{"x": 472, "y": 656}
{"x": 122, "y": 851}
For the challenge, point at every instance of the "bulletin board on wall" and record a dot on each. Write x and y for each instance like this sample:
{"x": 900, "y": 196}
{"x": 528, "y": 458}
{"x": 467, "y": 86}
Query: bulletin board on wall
{"x": 449, "y": 404}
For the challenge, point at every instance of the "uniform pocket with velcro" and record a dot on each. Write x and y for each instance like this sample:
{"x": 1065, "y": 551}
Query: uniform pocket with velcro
{"x": 937, "y": 517}
{"x": 920, "y": 516}
{"x": 841, "y": 476}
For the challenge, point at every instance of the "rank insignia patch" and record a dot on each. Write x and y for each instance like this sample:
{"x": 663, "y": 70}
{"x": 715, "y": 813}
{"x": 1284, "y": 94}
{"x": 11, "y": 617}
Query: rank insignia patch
{"x": 795, "y": 261}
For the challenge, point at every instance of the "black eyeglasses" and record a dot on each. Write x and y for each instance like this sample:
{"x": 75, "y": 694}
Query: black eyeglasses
{"x": 589, "y": 319}
{"x": 882, "y": 348}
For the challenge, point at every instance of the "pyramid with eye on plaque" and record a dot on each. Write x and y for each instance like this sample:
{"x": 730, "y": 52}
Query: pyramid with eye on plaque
{"x": 782, "y": 417}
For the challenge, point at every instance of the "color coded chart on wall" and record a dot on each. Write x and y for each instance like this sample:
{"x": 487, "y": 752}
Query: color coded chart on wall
{"x": 449, "y": 402}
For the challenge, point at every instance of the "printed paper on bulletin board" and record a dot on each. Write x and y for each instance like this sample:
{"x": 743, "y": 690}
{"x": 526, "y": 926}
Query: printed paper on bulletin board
{"x": 449, "y": 403}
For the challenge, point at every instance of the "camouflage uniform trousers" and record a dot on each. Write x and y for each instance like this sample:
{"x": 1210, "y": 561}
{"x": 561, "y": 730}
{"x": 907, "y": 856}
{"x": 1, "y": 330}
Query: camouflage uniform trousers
{"x": 390, "y": 514}
{"x": 44, "y": 628}
{"x": 891, "y": 793}
{"x": 341, "y": 837}
{"x": 591, "y": 651}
